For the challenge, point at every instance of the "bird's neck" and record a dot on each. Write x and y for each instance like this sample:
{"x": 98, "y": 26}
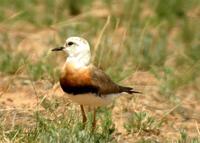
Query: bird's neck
{"x": 79, "y": 61}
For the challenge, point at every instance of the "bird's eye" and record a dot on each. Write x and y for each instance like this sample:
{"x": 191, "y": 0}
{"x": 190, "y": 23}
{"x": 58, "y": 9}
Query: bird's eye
{"x": 70, "y": 43}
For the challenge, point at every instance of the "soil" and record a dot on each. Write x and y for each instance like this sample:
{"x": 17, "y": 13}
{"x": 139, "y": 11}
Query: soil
{"x": 19, "y": 93}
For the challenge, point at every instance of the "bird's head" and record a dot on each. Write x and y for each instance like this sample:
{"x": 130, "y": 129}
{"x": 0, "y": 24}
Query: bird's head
{"x": 78, "y": 51}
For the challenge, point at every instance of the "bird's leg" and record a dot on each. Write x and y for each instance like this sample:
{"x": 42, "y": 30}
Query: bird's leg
{"x": 94, "y": 119}
{"x": 83, "y": 114}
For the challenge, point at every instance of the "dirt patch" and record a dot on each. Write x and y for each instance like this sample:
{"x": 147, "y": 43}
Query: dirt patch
{"x": 24, "y": 95}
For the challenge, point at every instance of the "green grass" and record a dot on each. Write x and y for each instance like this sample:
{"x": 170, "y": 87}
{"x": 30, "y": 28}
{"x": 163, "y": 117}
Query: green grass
{"x": 142, "y": 123}
{"x": 10, "y": 63}
{"x": 144, "y": 49}
{"x": 57, "y": 123}
{"x": 184, "y": 138}
{"x": 60, "y": 129}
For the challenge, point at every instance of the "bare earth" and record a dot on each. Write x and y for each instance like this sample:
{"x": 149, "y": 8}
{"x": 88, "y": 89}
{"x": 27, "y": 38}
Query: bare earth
{"x": 18, "y": 93}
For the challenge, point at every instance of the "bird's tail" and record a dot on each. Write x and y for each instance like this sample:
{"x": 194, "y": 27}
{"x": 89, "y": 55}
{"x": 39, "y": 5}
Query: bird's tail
{"x": 129, "y": 90}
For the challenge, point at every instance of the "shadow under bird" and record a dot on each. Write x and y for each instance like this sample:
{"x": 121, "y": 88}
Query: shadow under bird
{"x": 84, "y": 83}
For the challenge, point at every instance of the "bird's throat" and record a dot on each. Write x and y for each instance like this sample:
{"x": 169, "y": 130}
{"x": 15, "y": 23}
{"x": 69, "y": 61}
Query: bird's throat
{"x": 79, "y": 61}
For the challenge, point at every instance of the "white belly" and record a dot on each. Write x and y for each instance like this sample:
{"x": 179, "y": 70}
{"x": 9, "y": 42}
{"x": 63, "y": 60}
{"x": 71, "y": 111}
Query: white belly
{"x": 92, "y": 100}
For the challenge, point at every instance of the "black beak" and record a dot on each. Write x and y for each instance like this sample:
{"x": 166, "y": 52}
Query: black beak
{"x": 58, "y": 49}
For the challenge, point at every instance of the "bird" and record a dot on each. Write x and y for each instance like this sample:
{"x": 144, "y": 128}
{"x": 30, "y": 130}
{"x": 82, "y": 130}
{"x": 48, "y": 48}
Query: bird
{"x": 83, "y": 82}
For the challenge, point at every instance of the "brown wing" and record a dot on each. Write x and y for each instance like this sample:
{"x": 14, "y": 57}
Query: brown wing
{"x": 105, "y": 85}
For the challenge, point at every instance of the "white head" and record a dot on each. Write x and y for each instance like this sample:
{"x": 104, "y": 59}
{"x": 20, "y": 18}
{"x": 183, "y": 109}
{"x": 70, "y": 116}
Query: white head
{"x": 78, "y": 51}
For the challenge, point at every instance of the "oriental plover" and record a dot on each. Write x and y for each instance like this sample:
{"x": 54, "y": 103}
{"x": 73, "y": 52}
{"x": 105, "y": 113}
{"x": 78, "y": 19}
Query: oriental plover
{"x": 84, "y": 83}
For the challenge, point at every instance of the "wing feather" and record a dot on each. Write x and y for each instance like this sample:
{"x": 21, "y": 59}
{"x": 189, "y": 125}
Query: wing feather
{"x": 104, "y": 84}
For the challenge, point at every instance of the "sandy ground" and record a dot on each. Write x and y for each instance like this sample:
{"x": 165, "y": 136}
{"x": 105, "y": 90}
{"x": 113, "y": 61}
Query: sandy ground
{"x": 19, "y": 93}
